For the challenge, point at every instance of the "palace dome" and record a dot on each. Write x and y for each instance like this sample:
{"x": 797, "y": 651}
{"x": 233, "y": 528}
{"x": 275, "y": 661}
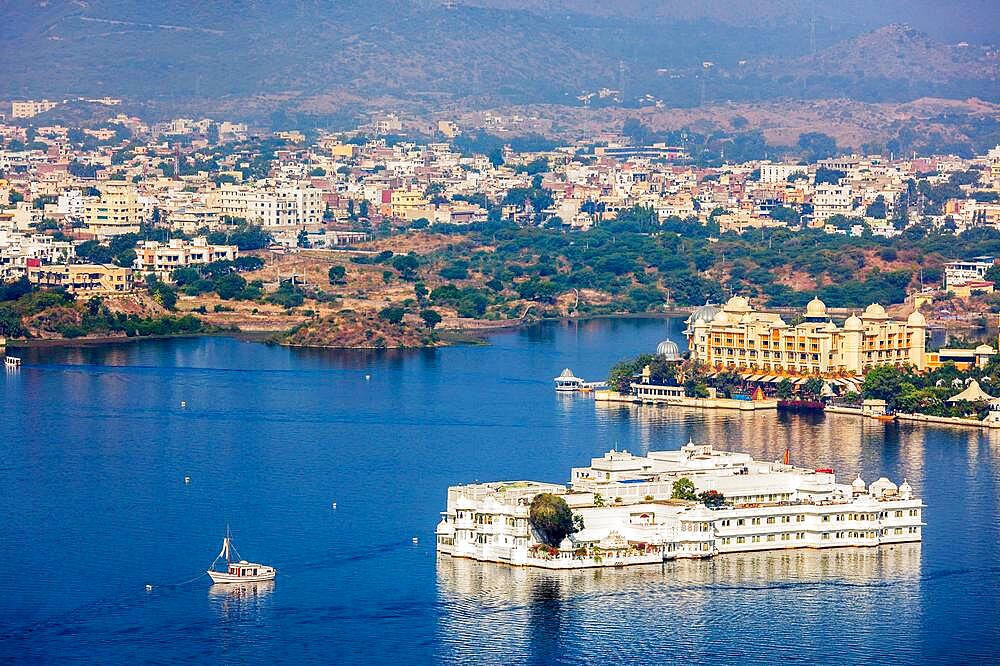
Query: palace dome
{"x": 669, "y": 350}
{"x": 706, "y": 313}
{"x": 874, "y": 311}
{"x": 882, "y": 487}
{"x": 905, "y": 490}
{"x": 720, "y": 317}
{"x": 816, "y": 308}
{"x": 853, "y": 323}
{"x": 737, "y": 304}
{"x": 859, "y": 486}
{"x": 916, "y": 319}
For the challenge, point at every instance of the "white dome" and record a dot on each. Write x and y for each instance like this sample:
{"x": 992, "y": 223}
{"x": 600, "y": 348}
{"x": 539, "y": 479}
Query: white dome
{"x": 882, "y": 487}
{"x": 916, "y": 319}
{"x": 816, "y": 308}
{"x": 721, "y": 317}
{"x": 905, "y": 490}
{"x": 859, "y": 485}
{"x": 669, "y": 350}
{"x": 853, "y": 323}
{"x": 874, "y": 311}
{"x": 705, "y": 313}
{"x": 737, "y": 304}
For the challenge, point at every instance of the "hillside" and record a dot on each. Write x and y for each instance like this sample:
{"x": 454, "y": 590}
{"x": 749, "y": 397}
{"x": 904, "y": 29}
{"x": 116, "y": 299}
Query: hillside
{"x": 256, "y": 57}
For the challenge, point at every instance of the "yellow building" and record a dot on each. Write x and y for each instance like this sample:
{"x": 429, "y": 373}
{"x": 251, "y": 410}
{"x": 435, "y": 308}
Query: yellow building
{"x": 31, "y": 108}
{"x": 411, "y": 205}
{"x": 737, "y": 337}
{"x": 93, "y": 279}
{"x": 117, "y": 211}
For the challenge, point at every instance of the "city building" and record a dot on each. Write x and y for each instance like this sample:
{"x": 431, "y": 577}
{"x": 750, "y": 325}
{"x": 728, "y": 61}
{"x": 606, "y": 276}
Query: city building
{"x": 737, "y": 337}
{"x": 31, "y": 108}
{"x": 274, "y": 207}
{"x": 630, "y": 515}
{"x": 161, "y": 259}
{"x": 190, "y": 219}
{"x": 86, "y": 279}
{"x": 973, "y": 270}
{"x": 115, "y": 212}
{"x": 18, "y": 251}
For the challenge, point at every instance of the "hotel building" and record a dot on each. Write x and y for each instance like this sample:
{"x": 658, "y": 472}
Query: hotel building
{"x": 737, "y": 337}
{"x": 629, "y": 516}
{"x": 117, "y": 211}
{"x": 91, "y": 279}
{"x": 161, "y": 259}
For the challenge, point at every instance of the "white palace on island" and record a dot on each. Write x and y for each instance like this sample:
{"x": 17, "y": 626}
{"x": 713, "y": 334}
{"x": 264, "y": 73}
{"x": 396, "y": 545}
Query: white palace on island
{"x": 629, "y": 516}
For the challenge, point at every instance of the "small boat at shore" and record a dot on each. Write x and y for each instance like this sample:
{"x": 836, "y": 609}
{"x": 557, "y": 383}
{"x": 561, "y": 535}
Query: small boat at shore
{"x": 239, "y": 571}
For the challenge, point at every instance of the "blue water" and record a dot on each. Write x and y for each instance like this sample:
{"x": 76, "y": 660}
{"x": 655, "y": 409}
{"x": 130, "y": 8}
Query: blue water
{"x": 95, "y": 445}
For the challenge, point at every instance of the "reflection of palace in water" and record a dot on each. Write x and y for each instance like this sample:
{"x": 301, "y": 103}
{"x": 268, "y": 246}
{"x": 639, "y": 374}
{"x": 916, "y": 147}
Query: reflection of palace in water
{"x": 531, "y": 608}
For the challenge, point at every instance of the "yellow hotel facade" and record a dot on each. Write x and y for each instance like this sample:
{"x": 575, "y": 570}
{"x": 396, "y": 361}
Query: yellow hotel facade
{"x": 737, "y": 337}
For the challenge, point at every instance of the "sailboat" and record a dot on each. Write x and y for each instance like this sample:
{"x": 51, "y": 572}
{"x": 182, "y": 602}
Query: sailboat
{"x": 239, "y": 571}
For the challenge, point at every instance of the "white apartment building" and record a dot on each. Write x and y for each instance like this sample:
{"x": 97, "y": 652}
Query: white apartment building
{"x": 973, "y": 270}
{"x": 274, "y": 207}
{"x": 18, "y": 251}
{"x": 72, "y": 204}
{"x": 778, "y": 173}
{"x": 830, "y": 200}
{"x": 629, "y": 516}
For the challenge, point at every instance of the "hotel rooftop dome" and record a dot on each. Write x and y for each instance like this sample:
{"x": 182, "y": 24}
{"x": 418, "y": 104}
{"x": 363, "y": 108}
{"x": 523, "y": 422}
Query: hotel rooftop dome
{"x": 737, "y": 304}
{"x": 705, "y": 313}
{"x": 816, "y": 309}
{"x": 874, "y": 311}
{"x": 669, "y": 350}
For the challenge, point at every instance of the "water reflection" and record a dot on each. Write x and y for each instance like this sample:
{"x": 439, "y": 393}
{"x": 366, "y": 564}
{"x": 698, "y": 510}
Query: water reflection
{"x": 536, "y": 610}
{"x": 244, "y": 602}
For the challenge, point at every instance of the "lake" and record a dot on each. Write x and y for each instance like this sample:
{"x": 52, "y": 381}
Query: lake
{"x": 96, "y": 442}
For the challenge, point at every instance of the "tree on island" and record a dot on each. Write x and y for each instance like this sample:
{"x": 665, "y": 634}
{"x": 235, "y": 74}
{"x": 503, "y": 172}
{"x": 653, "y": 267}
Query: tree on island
{"x": 552, "y": 519}
{"x": 683, "y": 489}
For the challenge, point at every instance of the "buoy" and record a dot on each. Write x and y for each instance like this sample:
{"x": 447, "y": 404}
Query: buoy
{"x": 333, "y": 505}
{"x": 367, "y": 377}
{"x": 184, "y": 403}
{"x": 187, "y": 479}
{"x": 415, "y": 539}
{"x": 149, "y": 588}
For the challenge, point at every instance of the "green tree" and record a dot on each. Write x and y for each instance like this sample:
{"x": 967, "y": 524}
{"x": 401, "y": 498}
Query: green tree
{"x": 683, "y": 489}
{"x": 886, "y": 382}
{"x": 336, "y": 274}
{"x": 551, "y": 518}
{"x": 392, "y": 314}
{"x": 785, "y": 389}
{"x": 812, "y": 388}
{"x": 431, "y": 318}
{"x": 406, "y": 265}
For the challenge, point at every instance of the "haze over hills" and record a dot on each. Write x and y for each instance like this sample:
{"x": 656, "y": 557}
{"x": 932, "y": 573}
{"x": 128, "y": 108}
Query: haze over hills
{"x": 357, "y": 56}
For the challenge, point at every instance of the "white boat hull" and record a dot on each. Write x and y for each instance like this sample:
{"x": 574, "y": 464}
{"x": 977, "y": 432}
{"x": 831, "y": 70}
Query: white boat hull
{"x": 221, "y": 577}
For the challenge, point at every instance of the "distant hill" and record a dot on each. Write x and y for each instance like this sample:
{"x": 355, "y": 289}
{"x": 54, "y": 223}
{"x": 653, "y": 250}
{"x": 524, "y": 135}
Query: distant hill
{"x": 260, "y": 56}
